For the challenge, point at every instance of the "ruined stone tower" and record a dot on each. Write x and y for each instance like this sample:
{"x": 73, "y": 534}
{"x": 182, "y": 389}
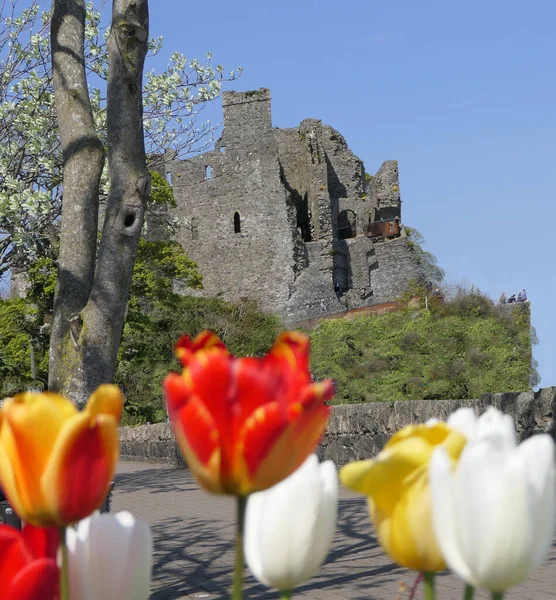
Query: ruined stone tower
{"x": 289, "y": 218}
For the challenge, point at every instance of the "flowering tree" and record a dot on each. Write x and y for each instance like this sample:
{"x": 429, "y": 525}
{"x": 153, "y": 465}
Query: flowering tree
{"x": 94, "y": 277}
{"x": 30, "y": 153}
{"x": 58, "y": 103}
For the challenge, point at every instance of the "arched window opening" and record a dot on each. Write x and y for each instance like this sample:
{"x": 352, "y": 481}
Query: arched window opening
{"x": 237, "y": 223}
{"x": 208, "y": 173}
{"x": 347, "y": 227}
{"x": 169, "y": 177}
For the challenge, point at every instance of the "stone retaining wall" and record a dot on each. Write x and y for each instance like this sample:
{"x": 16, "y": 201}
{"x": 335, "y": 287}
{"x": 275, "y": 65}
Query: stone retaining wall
{"x": 359, "y": 431}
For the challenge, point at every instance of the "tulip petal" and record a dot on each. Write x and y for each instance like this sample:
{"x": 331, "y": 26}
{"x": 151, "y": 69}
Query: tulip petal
{"x": 463, "y": 420}
{"x": 412, "y": 542}
{"x": 29, "y": 428}
{"x": 177, "y": 392}
{"x": 256, "y": 387}
{"x": 275, "y": 445}
{"x": 139, "y": 556}
{"x": 490, "y": 493}
{"x": 199, "y": 442}
{"x": 291, "y": 350}
{"x": 81, "y": 466}
{"x": 286, "y": 539}
{"x": 495, "y": 423}
{"x": 13, "y": 557}
{"x": 41, "y": 542}
{"x": 78, "y": 560}
{"x": 9, "y": 484}
{"x": 26, "y": 572}
{"x": 325, "y": 526}
{"x": 290, "y": 526}
{"x": 537, "y": 454}
{"x": 185, "y": 347}
{"x": 443, "y": 503}
{"x": 252, "y": 535}
{"x": 106, "y": 399}
{"x": 110, "y": 557}
{"x": 507, "y": 552}
{"x": 39, "y": 580}
{"x": 382, "y": 477}
{"x": 209, "y": 376}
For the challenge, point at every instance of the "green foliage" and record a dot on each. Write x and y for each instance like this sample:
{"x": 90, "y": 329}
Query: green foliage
{"x": 156, "y": 266}
{"x": 162, "y": 192}
{"x": 155, "y": 319}
{"x": 458, "y": 349}
{"x": 18, "y": 330}
{"x": 146, "y": 353}
{"x": 42, "y": 276}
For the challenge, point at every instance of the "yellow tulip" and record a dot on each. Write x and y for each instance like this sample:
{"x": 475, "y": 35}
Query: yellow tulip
{"x": 56, "y": 463}
{"x": 397, "y": 485}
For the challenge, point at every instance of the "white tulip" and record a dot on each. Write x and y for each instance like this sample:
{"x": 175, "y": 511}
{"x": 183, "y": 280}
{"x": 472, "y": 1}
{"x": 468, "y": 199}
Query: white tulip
{"x": 289, "y": 527}
{"x": 463, "y": 420}
{"x": 494, "y": 512}
{"x": 110, "y": 558}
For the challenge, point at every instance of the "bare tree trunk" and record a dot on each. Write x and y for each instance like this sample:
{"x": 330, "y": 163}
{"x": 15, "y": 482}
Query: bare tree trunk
{"x": 83, "y": 163}
{"x": 88, "y": 354}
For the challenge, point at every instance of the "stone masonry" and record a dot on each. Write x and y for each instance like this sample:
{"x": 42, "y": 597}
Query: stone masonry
{"x": 358, "y": 431}
{"x": 288, "y": 217}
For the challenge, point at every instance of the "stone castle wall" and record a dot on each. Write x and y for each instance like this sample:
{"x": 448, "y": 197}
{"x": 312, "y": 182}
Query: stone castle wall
{"x": 358, "y": 431}
{"x": 282, "y": 216}
{"x": 232, "y": 206}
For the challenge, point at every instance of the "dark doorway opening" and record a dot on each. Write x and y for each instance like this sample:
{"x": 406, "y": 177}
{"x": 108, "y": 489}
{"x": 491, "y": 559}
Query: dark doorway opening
{"x": 303, "y": 216}
{"x": 347, "y": 227}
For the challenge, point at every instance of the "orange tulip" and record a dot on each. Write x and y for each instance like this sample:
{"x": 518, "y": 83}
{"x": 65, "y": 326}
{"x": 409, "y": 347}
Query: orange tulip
{"x": 244, "y": 424}
{"x": 55, "y": 462}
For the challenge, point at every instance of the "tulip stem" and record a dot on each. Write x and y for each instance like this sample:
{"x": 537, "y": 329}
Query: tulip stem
{"x": 285, "y": 595}
{"x": 497, "y": 595}
{"x": 237, "y": 592}
{"x": 428, "y": 579}
{"x": 64, "y": 570}
{"x": 469, "y": 592}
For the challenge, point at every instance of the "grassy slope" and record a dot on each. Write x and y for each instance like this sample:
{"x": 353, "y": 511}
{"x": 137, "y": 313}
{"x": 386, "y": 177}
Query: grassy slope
{"x": 459, "y": 349}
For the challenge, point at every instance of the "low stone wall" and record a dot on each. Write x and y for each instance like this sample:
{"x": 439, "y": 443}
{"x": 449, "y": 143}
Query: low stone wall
{"x": 360, "y": 431}
{"x": 150, "y": 443}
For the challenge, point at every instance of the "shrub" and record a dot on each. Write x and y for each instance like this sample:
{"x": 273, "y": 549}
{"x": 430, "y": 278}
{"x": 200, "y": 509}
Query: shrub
{"x": 460, "y": 349}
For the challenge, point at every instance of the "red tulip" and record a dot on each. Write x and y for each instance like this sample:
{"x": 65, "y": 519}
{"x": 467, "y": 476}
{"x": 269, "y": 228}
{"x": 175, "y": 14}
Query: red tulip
{"x": 244, "y": 424}
{"x": 28, "y": 569}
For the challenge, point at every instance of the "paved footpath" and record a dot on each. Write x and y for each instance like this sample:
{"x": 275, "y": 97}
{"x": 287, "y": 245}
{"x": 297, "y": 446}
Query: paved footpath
{"x": 193, "y": 540}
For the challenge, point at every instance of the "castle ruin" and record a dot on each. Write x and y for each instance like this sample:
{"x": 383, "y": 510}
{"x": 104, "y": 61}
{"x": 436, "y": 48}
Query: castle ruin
{"x": 289, "y": 218}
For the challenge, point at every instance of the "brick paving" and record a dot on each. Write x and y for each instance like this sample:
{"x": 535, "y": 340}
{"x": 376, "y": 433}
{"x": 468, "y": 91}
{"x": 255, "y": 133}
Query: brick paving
{"x": 193, "y": 539}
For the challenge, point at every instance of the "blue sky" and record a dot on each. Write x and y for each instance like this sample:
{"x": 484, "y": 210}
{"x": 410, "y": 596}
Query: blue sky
{"x": 461, "y": 94}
